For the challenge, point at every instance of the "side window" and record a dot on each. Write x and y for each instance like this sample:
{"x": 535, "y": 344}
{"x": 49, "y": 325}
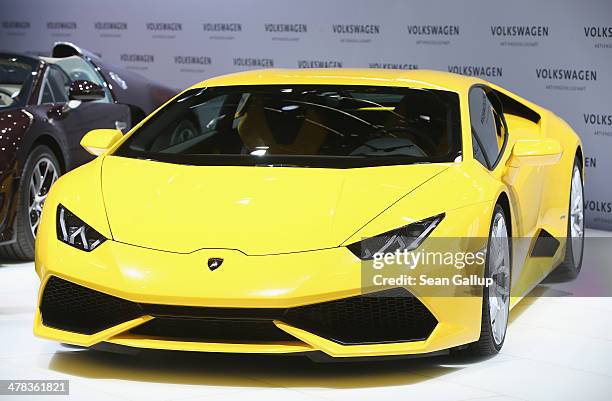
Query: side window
{"x": 75, "y": 68}
{"x": 478, "y": 155}
{"x": 46, "y": 95}
{"x": 55, "y": 87}
{"x": 488, "y": 133}
{"x": 59, "y": 83}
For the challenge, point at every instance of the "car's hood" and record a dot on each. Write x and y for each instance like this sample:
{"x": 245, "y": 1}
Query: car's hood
{"x": 257, "y": 210}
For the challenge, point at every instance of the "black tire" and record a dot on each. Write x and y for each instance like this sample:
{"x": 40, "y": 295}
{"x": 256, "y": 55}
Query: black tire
{"x": 569, "y": 268}
{"x": 486, "y": 344}
{"x": 23, "y": 246}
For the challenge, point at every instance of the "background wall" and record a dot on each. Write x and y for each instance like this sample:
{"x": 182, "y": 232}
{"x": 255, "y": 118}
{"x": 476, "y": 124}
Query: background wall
{"x": 555, "y": 53}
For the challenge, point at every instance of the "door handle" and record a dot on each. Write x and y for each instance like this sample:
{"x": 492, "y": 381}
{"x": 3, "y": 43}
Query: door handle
{"x": 121, "y": 125}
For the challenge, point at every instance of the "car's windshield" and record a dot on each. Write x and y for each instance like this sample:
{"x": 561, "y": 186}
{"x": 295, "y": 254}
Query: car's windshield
{"x": 302, "y": 126}
{"x": 15, "y": 80}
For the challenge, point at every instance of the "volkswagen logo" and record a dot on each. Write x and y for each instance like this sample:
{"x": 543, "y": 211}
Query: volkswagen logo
{"x": 214, "y": 263}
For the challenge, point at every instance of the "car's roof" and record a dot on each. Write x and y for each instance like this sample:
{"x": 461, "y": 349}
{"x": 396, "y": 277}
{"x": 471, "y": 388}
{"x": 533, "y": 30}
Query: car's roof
{"x": 20, "y": 55}
{"x": 429, "y": 79}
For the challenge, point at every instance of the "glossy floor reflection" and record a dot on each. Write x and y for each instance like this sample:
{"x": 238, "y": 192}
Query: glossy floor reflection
{"x": 558, "y": 348}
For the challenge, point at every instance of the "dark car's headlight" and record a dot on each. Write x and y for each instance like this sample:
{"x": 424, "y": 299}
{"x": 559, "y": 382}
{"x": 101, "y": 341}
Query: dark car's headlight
{"x": 75, "y": 232}
{"x": 404, "y": 238}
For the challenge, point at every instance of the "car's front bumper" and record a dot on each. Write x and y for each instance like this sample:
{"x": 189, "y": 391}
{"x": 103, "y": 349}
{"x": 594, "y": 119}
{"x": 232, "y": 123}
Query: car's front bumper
{"x": 262, "y": 287}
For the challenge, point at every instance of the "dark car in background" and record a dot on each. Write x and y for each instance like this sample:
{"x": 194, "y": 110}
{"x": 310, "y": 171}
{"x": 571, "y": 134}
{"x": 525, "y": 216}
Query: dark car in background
{"x": 47, "y": 104}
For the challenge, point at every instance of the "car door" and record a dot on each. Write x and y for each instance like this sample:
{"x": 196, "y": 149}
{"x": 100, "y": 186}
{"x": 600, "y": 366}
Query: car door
{"x": 491, "y": 139}
{"x": 72, "y": 118}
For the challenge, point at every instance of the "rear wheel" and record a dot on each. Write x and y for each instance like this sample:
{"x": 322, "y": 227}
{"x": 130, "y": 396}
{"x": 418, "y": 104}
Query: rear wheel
{"x": 574, "y": 246}
{"x": 41, "y": 170}
{"x": 496, "y": 298}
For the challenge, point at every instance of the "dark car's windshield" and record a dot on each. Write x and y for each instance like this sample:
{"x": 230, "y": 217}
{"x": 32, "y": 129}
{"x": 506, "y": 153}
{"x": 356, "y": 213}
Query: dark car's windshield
{"x": 302, "y": 126}
{"x": 15, "y": 80}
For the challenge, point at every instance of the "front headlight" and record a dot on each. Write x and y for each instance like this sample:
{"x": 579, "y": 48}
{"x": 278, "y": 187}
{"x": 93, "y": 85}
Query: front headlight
{"x": 75, "y": 232}
{"x": 404, "y": 238}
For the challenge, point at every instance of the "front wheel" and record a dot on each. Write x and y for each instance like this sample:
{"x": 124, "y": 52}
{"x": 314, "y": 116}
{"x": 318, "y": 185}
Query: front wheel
{"x": 496, "y": 297}
{"x": 40, "y": 171}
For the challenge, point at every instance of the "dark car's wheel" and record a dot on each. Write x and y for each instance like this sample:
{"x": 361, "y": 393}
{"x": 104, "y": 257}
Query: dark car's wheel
{"x": 41, "y": 169}
{"x": 574, "y": 247}
{"x": 496, "y": 298}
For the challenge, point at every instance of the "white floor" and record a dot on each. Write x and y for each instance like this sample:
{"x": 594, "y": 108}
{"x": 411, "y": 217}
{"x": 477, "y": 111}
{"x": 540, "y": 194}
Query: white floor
{"x": 556, "y": 349}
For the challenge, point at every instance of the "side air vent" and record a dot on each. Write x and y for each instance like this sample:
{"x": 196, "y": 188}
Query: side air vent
{"x": 545, "y": 245}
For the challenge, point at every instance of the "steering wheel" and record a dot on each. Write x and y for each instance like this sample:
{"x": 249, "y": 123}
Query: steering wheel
{"x": 423, "y": 140}
{"x": 8, "y": 94}
{"x": 184, "y": 131}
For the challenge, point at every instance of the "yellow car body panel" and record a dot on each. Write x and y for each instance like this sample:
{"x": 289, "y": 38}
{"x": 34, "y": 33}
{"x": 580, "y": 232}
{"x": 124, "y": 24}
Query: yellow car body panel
{"x": 275, "y": 232}
{"x": 326, "y": 202}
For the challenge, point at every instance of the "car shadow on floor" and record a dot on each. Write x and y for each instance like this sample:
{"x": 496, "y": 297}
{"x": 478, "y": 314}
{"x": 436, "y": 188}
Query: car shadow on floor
{"x": 538, "y": 292}
{"x": 249, "y": 370}
{"x": 7, "y": 263}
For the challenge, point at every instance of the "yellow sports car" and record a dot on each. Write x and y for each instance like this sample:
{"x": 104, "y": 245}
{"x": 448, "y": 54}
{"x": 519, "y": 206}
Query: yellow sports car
{"x": 253, "y": 212}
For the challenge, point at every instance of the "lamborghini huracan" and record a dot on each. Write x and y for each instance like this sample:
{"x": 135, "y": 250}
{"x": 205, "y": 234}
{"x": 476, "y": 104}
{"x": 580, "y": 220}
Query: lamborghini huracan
{"x": 251, "y": 228}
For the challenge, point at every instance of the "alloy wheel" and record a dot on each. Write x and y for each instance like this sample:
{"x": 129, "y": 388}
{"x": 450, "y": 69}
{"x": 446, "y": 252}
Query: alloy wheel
{"x": 44, "y": 174}
{"x": 499, "y": 271}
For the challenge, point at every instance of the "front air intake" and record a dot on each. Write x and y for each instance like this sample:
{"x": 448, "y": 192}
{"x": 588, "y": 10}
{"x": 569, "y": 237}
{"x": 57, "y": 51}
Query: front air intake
{"x": 71, "y": 307}
{"x": 383, "y": 317}
{"x": 213, "y": 330}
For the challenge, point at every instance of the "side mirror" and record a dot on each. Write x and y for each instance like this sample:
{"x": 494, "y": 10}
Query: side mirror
{"x": 535, "y": 152}
{"x": 85, "y": 91}
{"x": 99, "y": 141}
